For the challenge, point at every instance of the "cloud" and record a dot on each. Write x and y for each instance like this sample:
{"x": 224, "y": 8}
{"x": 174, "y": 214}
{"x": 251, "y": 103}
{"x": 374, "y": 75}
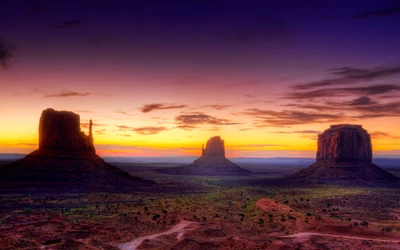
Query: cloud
{"x": 67, "y": 94}
{"x": 7, "y": 52}
{"x": 364, "y": 100}
{"x": 157, "y": 106}
{"x": 100, "y": 131}
{"x": 69, "y": 24}
{"x": 349, "y": 75}
{"x": 391, "y": 11}
{"x": 377, "y": 89}
{"x": 142, "y": 130}
{"x": 217, "y": 106}
{"x": 290, "y": 117}
{"x": 383, "y": 135}
{"x": 149, "y": 130}
{"x": 191, "y": 120}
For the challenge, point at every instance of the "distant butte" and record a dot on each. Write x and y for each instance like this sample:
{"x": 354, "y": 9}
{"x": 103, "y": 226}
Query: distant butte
{"x": 212, "y": 162}
{"x": 65, "y": 161}
{"x": 344, "y": 156}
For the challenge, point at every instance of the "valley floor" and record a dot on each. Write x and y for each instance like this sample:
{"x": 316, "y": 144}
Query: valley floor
{"x": 204, "y": 213}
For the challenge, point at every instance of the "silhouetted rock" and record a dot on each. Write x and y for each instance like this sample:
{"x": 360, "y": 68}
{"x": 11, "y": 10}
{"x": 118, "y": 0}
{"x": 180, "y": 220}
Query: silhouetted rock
{"x": 344, "y": 156}
{"x": 215, "y": 146}
{"x": 211, "y": 162}
{"x": 66, "y": 162}
{"x": 344, "y": 142}
{"x": 60, "y": 130}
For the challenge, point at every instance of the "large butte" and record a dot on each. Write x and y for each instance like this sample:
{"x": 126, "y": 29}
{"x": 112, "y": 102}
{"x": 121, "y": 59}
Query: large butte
{"x": 66, "y": 161}
{"x": 344, "y": 156}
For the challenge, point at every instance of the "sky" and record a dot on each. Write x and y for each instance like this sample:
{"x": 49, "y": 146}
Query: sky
{"x": 159, "y": 78}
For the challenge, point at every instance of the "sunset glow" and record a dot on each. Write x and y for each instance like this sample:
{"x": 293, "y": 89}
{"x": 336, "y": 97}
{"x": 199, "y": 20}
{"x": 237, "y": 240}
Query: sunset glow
{"x": 160, "y": 79}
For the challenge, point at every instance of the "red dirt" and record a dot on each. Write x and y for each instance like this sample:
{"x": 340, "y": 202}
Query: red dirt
{"x": 269, "y": 204}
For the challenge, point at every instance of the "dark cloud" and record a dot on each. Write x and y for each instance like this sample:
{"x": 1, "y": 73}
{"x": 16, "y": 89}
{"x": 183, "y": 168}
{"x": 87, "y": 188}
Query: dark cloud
{"x": 291, "y": 117}
{"x": 191, "y": 120}
{"x": 67, "y": 94}
{"x": 349, "y": 75}
{"x": 142, "y": 130}
{"x": 69, "y": 24}
{"x": 156, "y": 106}
{"x": 7, "y": 52}
{"x": 391, "y": 11}
{"x": 377, "y": 89}
{"x": 364, "y": 100}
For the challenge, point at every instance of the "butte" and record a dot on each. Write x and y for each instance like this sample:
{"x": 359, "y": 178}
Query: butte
{"x": 344, "y": 156}
{"x": 66, "y": 161}
{"x": 212, "y": 162}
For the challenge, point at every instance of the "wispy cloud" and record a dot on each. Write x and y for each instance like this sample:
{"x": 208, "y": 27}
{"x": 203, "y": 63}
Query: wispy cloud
{"x": 160, "y": 106}
{"x": 350, "y": 75}
{"x": 217, "y": 106}
{"x": 142, "y": 130}
{"x": 69, "y": 24}
{"x": 191, "y": 120}
{"x": 291, "y": 117}
{"x": 383, "y": 135}
{"x": 377, "y": 89}
{"x": 149, "y": 130}
{"x": 100, "y": 131}
{"x": 67, "y": 94}
{"x": 391, "y": 11}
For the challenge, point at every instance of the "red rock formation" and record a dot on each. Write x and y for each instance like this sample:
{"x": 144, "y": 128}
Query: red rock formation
{"x": 345, "y": 142}
{"x": 344, "y": 156}
{"x": 60, "y": 130}
{"x": 214, "y": 146}
{"x": 211, "y": 162}
{"x": 66, "y": 161}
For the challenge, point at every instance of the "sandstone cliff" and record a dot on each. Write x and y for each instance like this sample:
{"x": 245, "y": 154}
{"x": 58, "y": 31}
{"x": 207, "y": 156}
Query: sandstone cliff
{"x": 66, "y": 162}
{"x": 345, "y": 142}
{"x": 344, "y": 156}
{"x": 60, "y": 130}
{"x": 214, "y": 146}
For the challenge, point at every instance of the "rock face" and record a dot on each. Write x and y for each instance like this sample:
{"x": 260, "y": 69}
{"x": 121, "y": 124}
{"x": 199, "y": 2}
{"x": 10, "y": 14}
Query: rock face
{"x": 212, "y": 162}
{"x": 215, "y": 146}
{"x": 60, "y": 130}
{"x": 344, "y": 156}
{"x": 345, "y": 143}
{"x": 66, "y": 162}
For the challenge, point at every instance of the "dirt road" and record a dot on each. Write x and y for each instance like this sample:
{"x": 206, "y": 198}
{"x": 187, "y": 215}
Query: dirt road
{"x": 180, "y": 228}
{"x": 306, "y": 235}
